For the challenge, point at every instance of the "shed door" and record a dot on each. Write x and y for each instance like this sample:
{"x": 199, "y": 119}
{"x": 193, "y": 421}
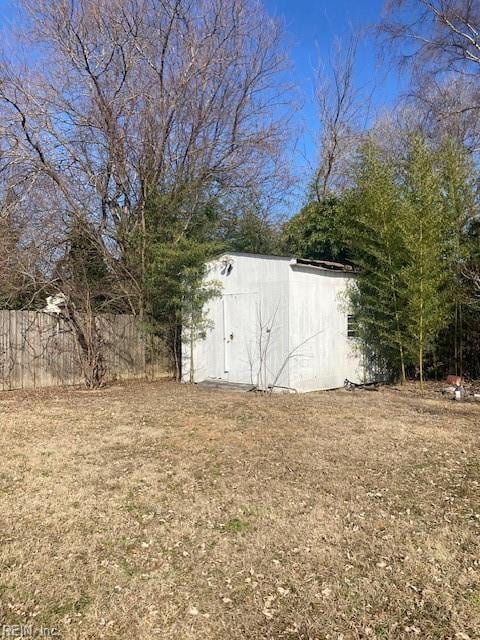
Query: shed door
{"x": 241, "y": 313}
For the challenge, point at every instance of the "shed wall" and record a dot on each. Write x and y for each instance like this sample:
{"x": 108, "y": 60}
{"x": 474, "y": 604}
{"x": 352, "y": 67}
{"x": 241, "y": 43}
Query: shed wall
{"x": 322, "y": 355}
{"x": 247, "y": 340}
{"x": 276, "y": 324}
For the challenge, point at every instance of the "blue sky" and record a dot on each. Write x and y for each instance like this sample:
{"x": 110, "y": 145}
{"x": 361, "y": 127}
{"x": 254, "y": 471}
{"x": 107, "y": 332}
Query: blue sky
{"x": 311, "y": 27}
{"x": 6, "y": 10}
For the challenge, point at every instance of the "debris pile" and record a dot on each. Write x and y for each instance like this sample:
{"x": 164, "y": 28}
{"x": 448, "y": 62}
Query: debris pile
{"x": 459, "y": 390}
{"x": 368, "y": 386}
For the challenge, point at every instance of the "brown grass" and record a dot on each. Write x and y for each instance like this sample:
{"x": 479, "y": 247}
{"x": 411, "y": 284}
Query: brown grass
{"x": 164, "y": 511}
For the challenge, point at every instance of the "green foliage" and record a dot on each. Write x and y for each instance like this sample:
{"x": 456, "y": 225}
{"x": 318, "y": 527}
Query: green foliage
{"x": 459, "y": 198}
{"x": 425, "y": 225}
{"x": 179, "y": 237}
{"x": 318, "y": 231}
{"x": 18, "y": 288}
{"x": 376, "y": 246}
{"x": 174, "y": 270}
{"x": 458, "y": 342}
{"x": 177, "y": 243}
{"x": 251, "y": 231}
{"x": 82, "y": 272}
{"x": 236, "y": 526}
{"x": 409, "y": 229}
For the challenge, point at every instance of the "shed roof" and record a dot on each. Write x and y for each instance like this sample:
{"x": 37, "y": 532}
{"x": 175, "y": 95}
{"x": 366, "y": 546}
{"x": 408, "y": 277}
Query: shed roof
{"x": 321, "y": 265}
{"x": 325, "y": 265}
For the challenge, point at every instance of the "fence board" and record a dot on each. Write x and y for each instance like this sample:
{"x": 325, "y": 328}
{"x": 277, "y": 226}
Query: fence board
{"x": 39, "y": 350}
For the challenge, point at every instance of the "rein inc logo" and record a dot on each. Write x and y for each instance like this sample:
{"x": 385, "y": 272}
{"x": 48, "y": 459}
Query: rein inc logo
{"x": 27, "y": 631}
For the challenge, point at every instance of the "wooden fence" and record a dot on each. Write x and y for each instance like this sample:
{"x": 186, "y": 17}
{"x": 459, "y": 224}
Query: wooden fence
{"x": 38, "y": 350}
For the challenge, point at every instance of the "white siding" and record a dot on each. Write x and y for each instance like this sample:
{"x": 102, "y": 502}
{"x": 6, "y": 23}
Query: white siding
{"x": 299, "y": 312}
{"x": 254, "y": 308}
{"x": 322, "y": 355}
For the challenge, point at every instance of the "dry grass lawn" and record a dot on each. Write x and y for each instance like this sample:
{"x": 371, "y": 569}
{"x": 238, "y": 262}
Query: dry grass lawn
{"x": 164, "y": 511}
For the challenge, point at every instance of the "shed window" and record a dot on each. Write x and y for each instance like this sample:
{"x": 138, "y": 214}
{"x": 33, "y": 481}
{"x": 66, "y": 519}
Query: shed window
{"x": 352, "y": 327}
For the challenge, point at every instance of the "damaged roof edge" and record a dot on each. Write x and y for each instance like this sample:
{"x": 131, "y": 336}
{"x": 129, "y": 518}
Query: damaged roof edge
{"x": 323, "y": 265}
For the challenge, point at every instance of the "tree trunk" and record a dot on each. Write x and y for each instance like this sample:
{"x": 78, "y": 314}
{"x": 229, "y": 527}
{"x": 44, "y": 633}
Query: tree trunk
{"x": 460, "y": 339}
{"x": 192, "y": 345}
{"x": 420, "y": 364}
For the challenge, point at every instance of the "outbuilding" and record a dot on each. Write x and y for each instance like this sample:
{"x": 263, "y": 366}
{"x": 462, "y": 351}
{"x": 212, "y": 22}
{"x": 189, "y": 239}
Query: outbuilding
{"x": 279, "y": 323}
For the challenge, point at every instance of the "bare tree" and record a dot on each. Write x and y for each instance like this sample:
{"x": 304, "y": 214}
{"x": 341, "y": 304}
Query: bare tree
{"x": 450, "y": 108}
{"x": 443, "y": 35}
{"x": 21, "y": 275}
{"x": 439, "y": 40}
{"x": 140, "y": 95}
{"x": 119, "y": 99}
{"x": 340, "y": 111}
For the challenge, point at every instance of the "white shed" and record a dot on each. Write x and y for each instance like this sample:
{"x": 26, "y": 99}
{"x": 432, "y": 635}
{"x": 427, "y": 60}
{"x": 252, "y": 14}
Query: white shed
{"x": 279, "y": 322}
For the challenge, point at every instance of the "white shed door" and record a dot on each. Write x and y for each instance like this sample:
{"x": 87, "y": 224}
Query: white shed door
{"x": 241, "y": 318}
